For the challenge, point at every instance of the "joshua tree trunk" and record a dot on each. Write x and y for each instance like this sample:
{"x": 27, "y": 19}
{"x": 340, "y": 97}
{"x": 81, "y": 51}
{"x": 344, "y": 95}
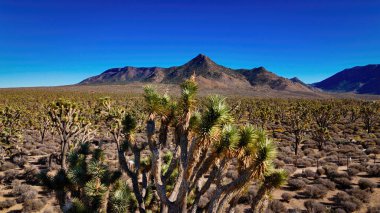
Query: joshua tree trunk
{"x": 63, "y": 156}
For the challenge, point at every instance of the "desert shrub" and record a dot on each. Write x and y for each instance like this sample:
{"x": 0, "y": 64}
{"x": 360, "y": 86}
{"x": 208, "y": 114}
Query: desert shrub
{"x": 278, "y": 163}
{"x": 320, "y": 171}
{"x": 9, "y": 176}
{"x": 348, "y": 203}
{"x": 339, "y": 210}
{"x": 350, "y": 206}
{"x": 359, "y": 194}
{"x": 336, "y": 174}
{"x": 352, "y": 171}
{"x": 31, "y": 175}
{"x": 375, "y": 209}
{"x": 357, "y": 166}
{"x": 343, "y": 183}
{"x": 330, "y": 168}
{"x": 374, "y": 170}
{"x": 19, "y": 161}
{"x": 288, "y": 160}
{"x": 27, "y": 195}
{"x": 286, "y": 197}
{"x": 18, "y": 188}
{"x": 304, "y": 163}
{"x": 312, "y": 206}
{"x": 7, "y": 204}
{"x": 290, "y": 169}
{"x": 296, "y": 184}
{"x": 367, "y": 184}
{"x": 315, "y": 191}
{"x": 42, "y": 160}
{"x": 276, "y": 206}
{"x": 33, "y": 205}
{"x": 325, "y": 182}
{"x": 36, "y": 152}
{"x": 7, "y": 166}
{"x": 308, "y": 173}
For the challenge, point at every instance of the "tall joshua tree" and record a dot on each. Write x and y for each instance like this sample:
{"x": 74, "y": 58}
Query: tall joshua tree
{"x": 202, "y": 147}
{"x": 69, "y": 122}
{"x": 324, "y": 116}
{"x": 297, "y": 122}
{"x": 369, "y": 112}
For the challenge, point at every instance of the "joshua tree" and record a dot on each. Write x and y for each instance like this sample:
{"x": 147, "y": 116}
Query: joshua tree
{"x": 203, "y": 146}
{"x": 297, "y": 122}
{"x": 68, "y": 120}
{"x": 88, "y": 185}
{"x": 369, "y": 112}
{"x": 10, "y": 125}
{"x": 40, "y": 121}
{"x": 10, "y": 131}
{"x": 324, "y": 116}
{"x": 271, "y": 181}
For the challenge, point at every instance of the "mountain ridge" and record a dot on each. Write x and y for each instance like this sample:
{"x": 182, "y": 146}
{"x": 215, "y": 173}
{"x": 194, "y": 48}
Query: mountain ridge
{"x": 358, "y": 79}
{"x": 209, "y": 75}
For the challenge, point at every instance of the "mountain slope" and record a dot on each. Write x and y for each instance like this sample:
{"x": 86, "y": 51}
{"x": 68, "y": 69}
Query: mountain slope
{"x": 209, "y": 75}
{"x": 360, "y": 79}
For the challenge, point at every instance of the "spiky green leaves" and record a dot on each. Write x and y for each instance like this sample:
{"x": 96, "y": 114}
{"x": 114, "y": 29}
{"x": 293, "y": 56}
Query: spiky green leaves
{"x": 275, "y": 178}
{"x": 122, "y": 199}
{"x": 189, "y": 91}
{"x": 228, "y": 141}
{"x": 216, "y": 114}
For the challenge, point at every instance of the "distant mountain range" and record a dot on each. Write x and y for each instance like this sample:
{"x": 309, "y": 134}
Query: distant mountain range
{"x": 362, "y": 80}
{"x": 208, "y": 73}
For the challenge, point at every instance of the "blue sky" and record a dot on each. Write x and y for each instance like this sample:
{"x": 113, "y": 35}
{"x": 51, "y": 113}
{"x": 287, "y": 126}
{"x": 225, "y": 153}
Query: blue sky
{"x": 44, "y": 42}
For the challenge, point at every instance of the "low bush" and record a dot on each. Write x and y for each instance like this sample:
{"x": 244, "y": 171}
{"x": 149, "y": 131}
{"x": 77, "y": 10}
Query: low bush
{"x": 31, "y": 175}
{"x": 347, "y": 202}
{"x": 374, "y": 170}
{"x": 18, "y": 188}
{"x": 315, "y": 191}
{"x": 296, "y": 184}
{"x": 308, "y": 173}
{"x": 343, "y": 183}
{"x": 28, "y": 195}
{"x": 312, "y": 206}
{"x": 352, "y": 171}
{"x": 19, "y": 161}
{"x": 286, "y": 197}
{"x": 7, "y": 204}
{"x": 290, "y": 169}
{"x": 367, "y": 184}
{"x": 7, "y": 166}
{"x": 359, "y": 194}
{"x": 375, "y": 209}
{"x": 326, "y": 182}
{"x": 33, "y": 205}
{"x": 276, "y": 206}
{"x": 9, "y": 176}
{"x": 288, "y": 160}
{"x": 357, "y": 166}
{"x": 330, "y": 169}
{"x": 43, "y": 160}
{"x": 350, "y": 206}
{"x": 320, "y": 172}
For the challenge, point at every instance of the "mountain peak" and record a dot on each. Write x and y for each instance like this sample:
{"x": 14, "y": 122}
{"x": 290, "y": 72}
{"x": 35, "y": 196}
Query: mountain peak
{"x": 201, "y": 59}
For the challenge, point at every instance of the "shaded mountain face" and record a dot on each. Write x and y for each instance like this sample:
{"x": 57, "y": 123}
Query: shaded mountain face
{"x": 208, "y": 73}
{"x": 360, "y": 79}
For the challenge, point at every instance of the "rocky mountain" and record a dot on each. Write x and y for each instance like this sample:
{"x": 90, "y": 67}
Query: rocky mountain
{"x": 360, "y": 79}
{"x": 208, "y": 73}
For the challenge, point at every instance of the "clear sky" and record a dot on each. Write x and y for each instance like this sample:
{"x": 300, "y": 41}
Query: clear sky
{"x": 48, "y": 42}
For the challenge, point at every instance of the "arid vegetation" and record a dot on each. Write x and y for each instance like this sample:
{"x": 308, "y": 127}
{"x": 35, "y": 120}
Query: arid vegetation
{"x": 93, "y": 152}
